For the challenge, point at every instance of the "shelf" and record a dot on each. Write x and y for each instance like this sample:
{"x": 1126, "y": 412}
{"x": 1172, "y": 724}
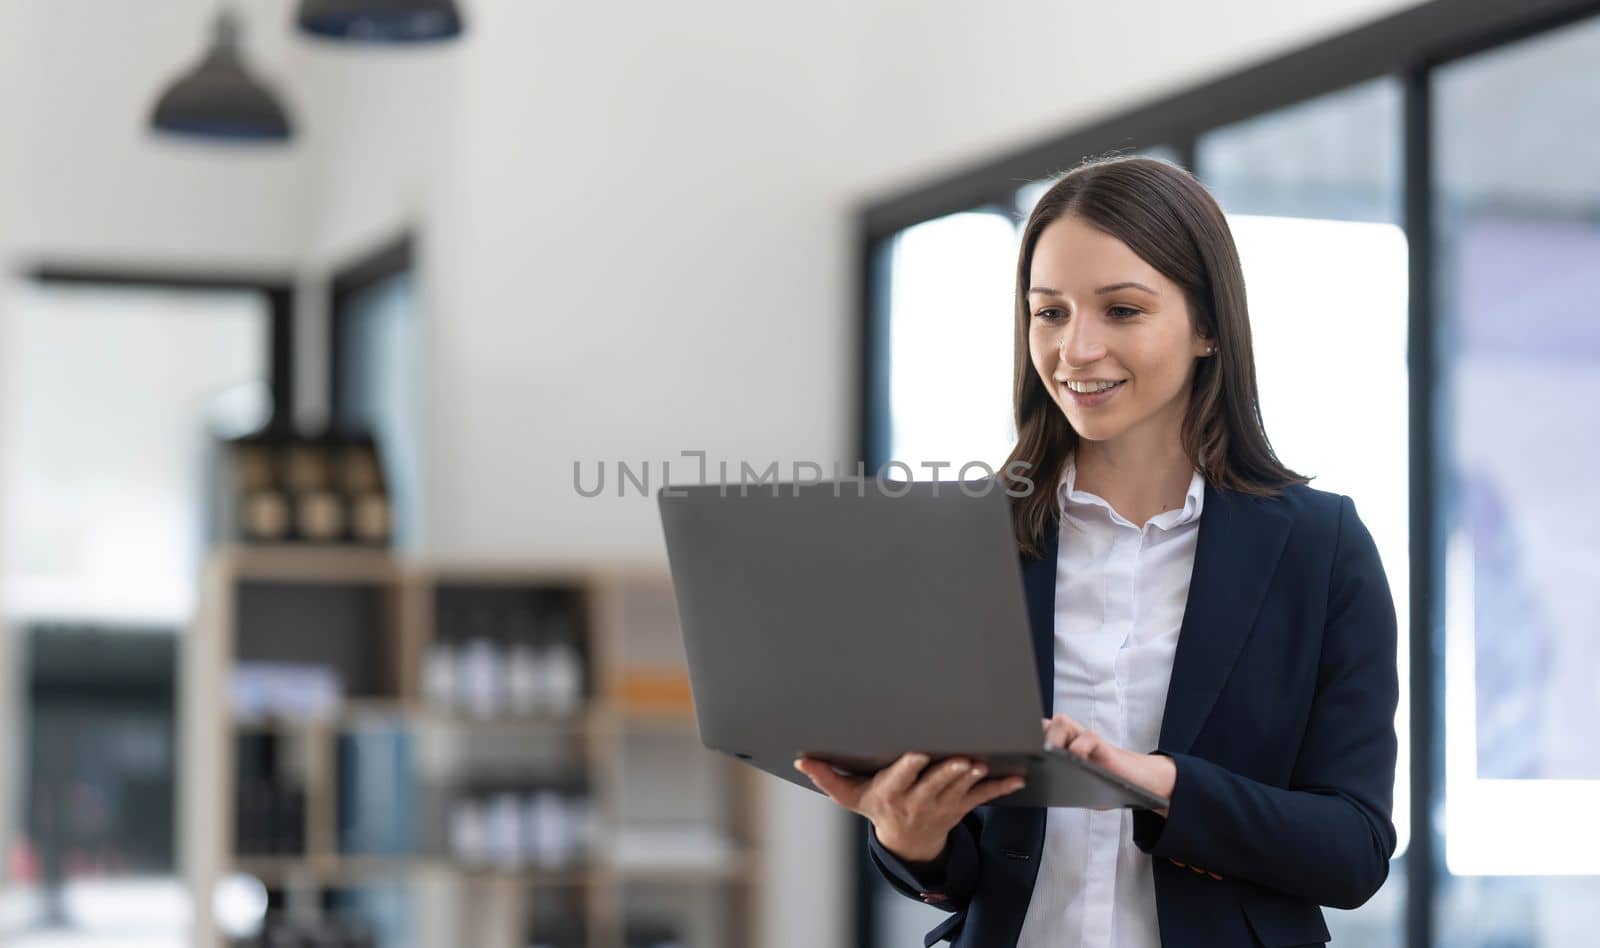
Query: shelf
{"x": 306, "y": 563}
{"x": 359, "y": 711}
{"x": 355, "y": 869}
{"x": 736, "y": 870}
{"x": 636, "y": 754}
{"x": 525, "y": 571}
{"x": 277, "y": 870}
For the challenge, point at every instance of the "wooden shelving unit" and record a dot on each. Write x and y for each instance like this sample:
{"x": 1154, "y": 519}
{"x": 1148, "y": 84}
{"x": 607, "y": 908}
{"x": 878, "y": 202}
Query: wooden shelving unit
{"x": 632, "y": 743}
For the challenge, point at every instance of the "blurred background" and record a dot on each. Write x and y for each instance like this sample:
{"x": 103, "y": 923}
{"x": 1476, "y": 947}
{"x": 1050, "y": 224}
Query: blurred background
{"x": 322, "y": 323}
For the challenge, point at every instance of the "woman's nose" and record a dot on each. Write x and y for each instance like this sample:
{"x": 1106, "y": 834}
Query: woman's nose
{"x": 1077, "y": 346}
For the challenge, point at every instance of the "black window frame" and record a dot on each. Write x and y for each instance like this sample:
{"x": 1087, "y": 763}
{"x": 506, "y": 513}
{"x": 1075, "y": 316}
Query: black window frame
{"x": 1408, "y": 46}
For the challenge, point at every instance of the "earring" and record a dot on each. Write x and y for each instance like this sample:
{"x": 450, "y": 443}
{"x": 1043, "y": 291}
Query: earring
{"x": 1211, "y": 350}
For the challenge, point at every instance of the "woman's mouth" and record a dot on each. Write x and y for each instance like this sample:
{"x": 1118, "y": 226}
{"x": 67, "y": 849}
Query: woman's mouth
{"x": 1096, "y": 399}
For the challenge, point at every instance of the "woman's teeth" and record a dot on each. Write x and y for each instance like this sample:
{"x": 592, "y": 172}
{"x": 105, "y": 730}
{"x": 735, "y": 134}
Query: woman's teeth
{"x": 1089, "y": 388}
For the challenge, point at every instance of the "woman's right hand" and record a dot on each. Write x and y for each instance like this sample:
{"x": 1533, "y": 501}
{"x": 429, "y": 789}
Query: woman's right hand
{"x": 913, "y": 807}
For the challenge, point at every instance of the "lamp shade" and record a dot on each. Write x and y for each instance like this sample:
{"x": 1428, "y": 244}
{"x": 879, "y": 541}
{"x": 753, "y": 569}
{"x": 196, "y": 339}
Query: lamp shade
{"x": 219, "y": 99}
{"x": 381, "y": 21}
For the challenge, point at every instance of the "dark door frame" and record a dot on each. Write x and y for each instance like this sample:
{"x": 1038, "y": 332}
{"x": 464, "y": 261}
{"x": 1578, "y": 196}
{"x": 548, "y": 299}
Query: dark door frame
{"x": 390, "y": 259}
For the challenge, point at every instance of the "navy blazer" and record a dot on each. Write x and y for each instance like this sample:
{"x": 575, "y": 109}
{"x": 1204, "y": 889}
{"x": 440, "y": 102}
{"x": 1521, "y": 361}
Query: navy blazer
{"x": 1279, "y": 717}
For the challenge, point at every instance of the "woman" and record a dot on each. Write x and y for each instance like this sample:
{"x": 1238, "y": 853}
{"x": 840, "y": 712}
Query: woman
{"x": 1205, "y": 624}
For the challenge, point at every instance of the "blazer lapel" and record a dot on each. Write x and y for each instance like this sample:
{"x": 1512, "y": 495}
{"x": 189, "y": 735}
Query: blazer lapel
{"x": 1039, "y": 588}
{"x": 1236, "y": 553}
{"x": 1241, "y": 538}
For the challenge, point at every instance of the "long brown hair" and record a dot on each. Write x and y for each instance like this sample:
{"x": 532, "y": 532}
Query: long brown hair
{"x": 1171, "y": 221}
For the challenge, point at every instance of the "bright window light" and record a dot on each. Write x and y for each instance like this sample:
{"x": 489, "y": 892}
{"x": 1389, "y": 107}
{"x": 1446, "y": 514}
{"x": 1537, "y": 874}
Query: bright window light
{"x": 950, "y": 342}
{"x": 108, "y": 396}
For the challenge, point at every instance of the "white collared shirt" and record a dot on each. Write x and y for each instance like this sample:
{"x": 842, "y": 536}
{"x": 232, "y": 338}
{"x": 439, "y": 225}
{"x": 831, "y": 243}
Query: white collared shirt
{"x": 1120, "y": 596}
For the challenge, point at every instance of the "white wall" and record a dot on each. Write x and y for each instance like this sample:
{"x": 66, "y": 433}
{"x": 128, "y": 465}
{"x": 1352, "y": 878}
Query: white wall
{"x": 637, "y": 221}
{"x": 940, "y": 86}
{"x": 97, "y": 186}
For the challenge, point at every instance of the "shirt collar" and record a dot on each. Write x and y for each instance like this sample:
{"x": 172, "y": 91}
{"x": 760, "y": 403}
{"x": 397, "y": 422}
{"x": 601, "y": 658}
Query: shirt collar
{"x": 1068, "y": 495}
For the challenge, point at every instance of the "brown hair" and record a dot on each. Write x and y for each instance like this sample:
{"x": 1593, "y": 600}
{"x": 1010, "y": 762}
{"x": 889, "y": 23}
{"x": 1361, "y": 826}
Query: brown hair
{"x": 1169, "y": 219}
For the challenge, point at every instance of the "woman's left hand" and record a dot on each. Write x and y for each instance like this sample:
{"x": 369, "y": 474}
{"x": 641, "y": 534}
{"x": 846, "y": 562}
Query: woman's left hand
{"x": 1153, "y": 772}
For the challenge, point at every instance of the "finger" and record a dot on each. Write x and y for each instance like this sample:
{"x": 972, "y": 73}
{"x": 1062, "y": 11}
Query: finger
{"x": 1061, "y": 730}
{"x": 1055, "y": 734}
{"x": 841, "y": 789}
{"x": 1085, "y": 745}
{"x": 987, "y": 790}
{"x": 899, "y": 776}
{"x": 957, "y": 788}
{"x": 935, "y": 780}
{"x": 827, "y": 780}
{"x": 1214, "y": 876}
{"x": 1197, "y": 870}
{"x": 1176, "y": 863}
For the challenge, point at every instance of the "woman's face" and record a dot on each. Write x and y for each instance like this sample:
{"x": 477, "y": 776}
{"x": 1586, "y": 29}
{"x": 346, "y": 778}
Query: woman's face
{"x": 1100, "y": 313}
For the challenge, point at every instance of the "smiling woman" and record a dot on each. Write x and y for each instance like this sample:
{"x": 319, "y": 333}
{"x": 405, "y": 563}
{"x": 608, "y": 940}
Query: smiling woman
{"x": 1204, "y": 624}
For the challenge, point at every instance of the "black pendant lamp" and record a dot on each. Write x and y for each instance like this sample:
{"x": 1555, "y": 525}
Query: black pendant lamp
{"x": 219, "y": 99}
{"x": 381, "y": 21}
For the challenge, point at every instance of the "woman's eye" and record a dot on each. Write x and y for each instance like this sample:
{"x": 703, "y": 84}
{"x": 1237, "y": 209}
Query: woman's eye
{"x": 1117, "y": 312}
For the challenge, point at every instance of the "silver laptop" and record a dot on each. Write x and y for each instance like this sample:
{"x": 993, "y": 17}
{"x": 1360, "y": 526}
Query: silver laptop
{"x": 854, "y": 621}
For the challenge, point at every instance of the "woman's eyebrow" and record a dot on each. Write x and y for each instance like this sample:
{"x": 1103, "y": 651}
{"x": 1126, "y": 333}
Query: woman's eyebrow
{"x": 1112, "y": 288}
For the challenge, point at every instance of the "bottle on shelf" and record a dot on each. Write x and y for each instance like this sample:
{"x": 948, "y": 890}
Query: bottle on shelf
{"x": 548, "y": 829}
{"x": 563, "y": 668}
{"x": 522, "y": 678}
{"x": 263, "y": 513}
{"x": 481, "y": 677}
{"x": 504, "y": 820}
{"x": 264, "y": 516}
{"x": 469, "y": 832}
{"x": 319, "y": 516}
{"x": 319, "y": 513}
{"x": 371, "y": 520}
{"x": 361, "y": 478}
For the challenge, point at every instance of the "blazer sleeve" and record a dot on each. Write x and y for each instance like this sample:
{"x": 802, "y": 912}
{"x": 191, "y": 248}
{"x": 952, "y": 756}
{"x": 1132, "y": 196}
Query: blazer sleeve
{"x": 949, "y": 881}
{"x": 1329, "y": 835}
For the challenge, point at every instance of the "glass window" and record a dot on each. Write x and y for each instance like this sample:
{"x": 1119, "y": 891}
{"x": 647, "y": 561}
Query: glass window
{"x": 1312, "y": 195}
{"x": 951, "y": 289}
{"x": 1517, "y": 227}
{"x": 109, "y": 394}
